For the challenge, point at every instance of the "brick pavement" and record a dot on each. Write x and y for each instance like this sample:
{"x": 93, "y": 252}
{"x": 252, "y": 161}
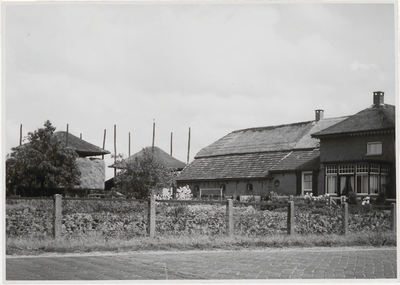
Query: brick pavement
{"x": 365, "y": 263}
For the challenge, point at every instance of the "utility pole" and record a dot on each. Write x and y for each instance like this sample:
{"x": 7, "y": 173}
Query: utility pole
{"x": 154, "y": 135}
{"x": 129, "y": 144}
{"x": 66, "y": 139}
{"x": 188, "y": 148}
{"x": 115, "y": 149}
{"x": 104, "y": 143}
{"x": 20, "y": 135}
{"x": 171, "y": 143}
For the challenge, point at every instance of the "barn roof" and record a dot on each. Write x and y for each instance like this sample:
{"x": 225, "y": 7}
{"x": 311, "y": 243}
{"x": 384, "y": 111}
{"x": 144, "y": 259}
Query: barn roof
{"x": 251, "y": 165}
{"x": 161, "y": 156}
{"x": 81, "y": 147}
{"x": 254, "y": 153}
{"x": 375, "y": 118}
{"x": 266, "y": 139}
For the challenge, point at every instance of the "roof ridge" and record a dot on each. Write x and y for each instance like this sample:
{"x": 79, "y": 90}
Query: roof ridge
{"x": 273, "y": 127}
{"x": 285, "y": 125}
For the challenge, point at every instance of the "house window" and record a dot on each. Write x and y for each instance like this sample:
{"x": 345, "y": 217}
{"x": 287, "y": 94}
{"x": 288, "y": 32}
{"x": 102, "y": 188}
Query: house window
{"x": 346, "y": 184}
{"x": 362, "y": 168}
{"x": 249, "y": 187}
{"x": 374, "y": 168}
{"x": 374, "y": 148}
{"x": 307, "y": 182}
{"x": 385, "y": 169}
{"x": 384, "y": 176}
{"x": 222, "y": 187}
{"x": 331, "y": 169}
{"x": 346, "y": 169}
{"x": 374, "y": 183}
{"x": 362, "y": 183}
{"x": 331, "y": 181}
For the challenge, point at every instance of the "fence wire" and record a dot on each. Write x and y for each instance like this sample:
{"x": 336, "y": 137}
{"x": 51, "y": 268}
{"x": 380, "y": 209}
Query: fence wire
{"x": 126, "y": 218}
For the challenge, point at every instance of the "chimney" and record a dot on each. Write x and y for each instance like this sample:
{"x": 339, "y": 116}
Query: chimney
{"x": 378, "y": 98}
{"x": 319, "y": 114}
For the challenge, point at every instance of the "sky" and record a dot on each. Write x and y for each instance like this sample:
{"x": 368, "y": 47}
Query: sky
{"x": 213, "y": 67}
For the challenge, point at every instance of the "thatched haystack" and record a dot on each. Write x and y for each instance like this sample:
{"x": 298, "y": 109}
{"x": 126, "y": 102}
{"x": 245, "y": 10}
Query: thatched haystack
{"x": 93, "y": 173}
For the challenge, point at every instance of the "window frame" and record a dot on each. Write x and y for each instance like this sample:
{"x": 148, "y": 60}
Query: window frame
{"x": 249, "y": 187}
{"x": 369, "y": 144}
{"x": 303, "y": 189}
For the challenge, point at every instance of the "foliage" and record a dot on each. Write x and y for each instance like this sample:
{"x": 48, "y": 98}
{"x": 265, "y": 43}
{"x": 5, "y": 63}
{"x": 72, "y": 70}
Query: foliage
{"x": 317, "y": 219}
{"x": 310, "y": 199}
{"x": 44, "y": 162}
{"x": 352, "y": 198}
{"x": 184, "y": 219}
{"x": 127, "y": 218}
{"x": 251, "y": 222}
{"x": 381, "y": 199}
{"x": 182, "y": 193}
{"x": 142, "y": 176}
{"x": 29, "y": 218}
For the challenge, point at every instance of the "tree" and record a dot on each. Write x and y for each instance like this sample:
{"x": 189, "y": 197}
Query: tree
{"x": 143, "y": 176}
{"x": 45, "y": 162}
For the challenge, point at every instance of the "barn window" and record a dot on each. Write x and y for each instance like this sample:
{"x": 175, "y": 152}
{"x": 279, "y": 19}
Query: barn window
{"x": 307, "y": 182}
{"x": 249, "y": 187}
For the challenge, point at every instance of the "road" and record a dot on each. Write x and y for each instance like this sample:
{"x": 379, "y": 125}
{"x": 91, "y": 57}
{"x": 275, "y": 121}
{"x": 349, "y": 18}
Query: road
{"x": 311, "y": 263}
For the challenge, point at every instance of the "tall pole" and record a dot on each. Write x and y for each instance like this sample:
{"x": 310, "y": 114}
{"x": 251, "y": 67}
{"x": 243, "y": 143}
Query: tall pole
{"x": 115, "y": 149}
{"x": 20, "y": 135}
{"x": 66, "y": 139}
{"x": 154, "y": 135}
{"x": 129, "y": 150}
{"x": 171, "y": 143}
{"x": 104, "y": 143}
{"x": 81, "y": 136}
{"x": 188, "y": 148}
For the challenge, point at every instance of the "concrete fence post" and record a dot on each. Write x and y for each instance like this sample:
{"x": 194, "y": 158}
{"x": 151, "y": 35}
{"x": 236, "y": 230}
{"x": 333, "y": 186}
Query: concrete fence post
{"x": 345, "y": 218}
{"x": 151, "y": 223}
{"x": 290, "y": 218}
{"x": 394, "y": 218}
{"x": 229, "y": 217}
{"x": 57, "y": 216}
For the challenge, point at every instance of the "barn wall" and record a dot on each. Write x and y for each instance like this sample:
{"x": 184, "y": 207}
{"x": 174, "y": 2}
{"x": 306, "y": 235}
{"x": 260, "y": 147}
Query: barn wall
{"x": 261, "y": 187}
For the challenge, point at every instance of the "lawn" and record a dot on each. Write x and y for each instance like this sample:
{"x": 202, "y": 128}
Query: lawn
{"x": 98, "y": 243}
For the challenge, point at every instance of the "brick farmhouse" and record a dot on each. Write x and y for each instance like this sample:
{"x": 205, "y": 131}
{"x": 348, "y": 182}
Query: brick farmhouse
{"x": 333, "y": 156}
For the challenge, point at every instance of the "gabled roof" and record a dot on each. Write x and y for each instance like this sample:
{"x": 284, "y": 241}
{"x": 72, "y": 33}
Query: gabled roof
{"x": 298, "y": 160}
{"x": 375, "y": 118}
{"x": 254, "y": 153}
{"x": 250, "y": 166}
{"x": 161, "y": 156}
{"x": 81, "y": 147}
{"x": 253, "y": 165}
{"x": 266, "y": 139}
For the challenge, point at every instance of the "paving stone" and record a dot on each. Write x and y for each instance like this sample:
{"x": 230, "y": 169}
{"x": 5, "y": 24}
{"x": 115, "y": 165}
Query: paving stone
{"x": 273, "y": 264}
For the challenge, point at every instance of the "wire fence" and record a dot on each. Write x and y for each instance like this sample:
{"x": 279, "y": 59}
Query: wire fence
{"x": 129, "y": 218}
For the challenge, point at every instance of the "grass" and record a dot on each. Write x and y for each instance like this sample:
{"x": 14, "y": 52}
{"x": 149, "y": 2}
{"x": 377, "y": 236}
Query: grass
{"x": 84, "y": 244}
